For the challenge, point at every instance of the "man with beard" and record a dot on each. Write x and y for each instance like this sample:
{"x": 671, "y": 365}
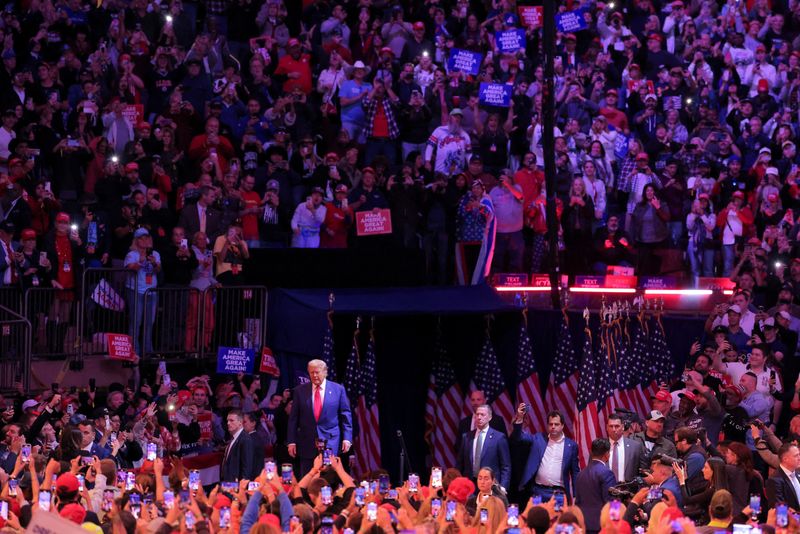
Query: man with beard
{"x": 452, "y": 146}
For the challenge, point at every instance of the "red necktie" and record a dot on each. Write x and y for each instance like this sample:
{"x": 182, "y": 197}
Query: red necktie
{"x": 317, "y": 404}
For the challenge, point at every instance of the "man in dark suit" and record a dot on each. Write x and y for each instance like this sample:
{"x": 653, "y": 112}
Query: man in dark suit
{"x": 591, "y": 488}
{"x": 239, "y": 460}
{"x": 320, "y": 410}
{"x": 552, "y": 463}
{"x": 783, "y": 486}
{"x": 88, "y": 443}
{"x": 467, "y": 424}
{"x": 626, "y": 453}
{"x": 201, "y": 216}
{"x": 485, "y": 447}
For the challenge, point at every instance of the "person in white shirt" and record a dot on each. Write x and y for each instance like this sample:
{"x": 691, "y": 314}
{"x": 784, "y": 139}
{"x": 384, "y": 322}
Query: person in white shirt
{"x": 747, "y": 320}
{"x": 783, "y": 486}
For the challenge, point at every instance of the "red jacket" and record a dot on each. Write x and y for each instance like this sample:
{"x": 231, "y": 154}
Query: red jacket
{"x": 337, "y": 221}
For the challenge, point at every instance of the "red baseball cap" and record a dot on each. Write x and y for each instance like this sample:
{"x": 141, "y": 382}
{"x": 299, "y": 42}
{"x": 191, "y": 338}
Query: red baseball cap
{"x": 642, "y": 156}
{"x": 688, "y": 395}
{"x": 62, "y": 217}
{"x": 655, "y": 37}
{"x": 132, "y": 166}
{"x": 28, "y": 233}
{"x": 292, "y": 42}
{"x": 419, "y": 25}
{"x": 738, "y": 194}
{"x": 662, "y": 395}
{"x": 67, "y": 483}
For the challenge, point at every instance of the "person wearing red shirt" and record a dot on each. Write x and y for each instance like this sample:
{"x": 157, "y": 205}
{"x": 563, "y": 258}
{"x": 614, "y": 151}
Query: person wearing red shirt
{"x": 616, "y": 118}
{"x": 296, "y": 66}
{"x": 530, "y": 179}
{"x": 211, "y": 144}
{"x": 338, "y": 218}
{"x": 252, "y": 208}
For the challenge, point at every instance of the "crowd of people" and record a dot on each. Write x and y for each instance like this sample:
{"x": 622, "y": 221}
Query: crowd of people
{"x": 717, "y": 451}
{"x": 248, "y": 124}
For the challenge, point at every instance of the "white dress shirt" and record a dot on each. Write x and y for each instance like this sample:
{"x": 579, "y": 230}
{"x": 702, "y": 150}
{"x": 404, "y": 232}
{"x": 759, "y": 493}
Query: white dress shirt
{"x": 549, "y": 473}
{"x": 620, "y": 473}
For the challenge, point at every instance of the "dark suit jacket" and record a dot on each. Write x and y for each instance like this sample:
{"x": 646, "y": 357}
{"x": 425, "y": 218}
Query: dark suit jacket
{"x": 780, "y": 490}
{"x": 334, "y": 425}
{"x": 190, "y": 222}
{"x": 634, "y": 450}
{"x": 464, "y": 428}
{"x": 494, "y": 455}
{"x": 238, "y": 464}
{"x": 538, "y": 443}
{"x": 591, "y": 492}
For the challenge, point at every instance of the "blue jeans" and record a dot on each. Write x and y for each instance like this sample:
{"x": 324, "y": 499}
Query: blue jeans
{"x": 354, "y": 129}
{"x": 675, "y": 232}
{"x": 728, "y": 257}
{"x": 701, "y": 262}
{"x": 410, "y": 147}
{"x": 140, "y": 319}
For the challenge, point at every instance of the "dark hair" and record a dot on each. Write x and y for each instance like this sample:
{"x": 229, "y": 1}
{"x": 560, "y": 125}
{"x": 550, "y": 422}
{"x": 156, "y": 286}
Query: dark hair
{"x": 538, "y": 520}
{"x": 600, "y": 447}
{"x": 719, "y": 476}
{"x": 686, "y": 433}
{"x": 555, "y": 413}
{"x": 744, "y": 458}
{"x": 784, "y": 450}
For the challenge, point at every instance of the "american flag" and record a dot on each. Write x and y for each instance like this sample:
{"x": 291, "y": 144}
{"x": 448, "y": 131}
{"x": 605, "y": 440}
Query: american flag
{"x": 639, "y": 374}
{"x": 562, "y": 393}
{"x": 489, "y": 379}
{"x": 443, "y": 409}
{"x": 368, "y": 441}
{"x": 663, "y": 366}
{"x": 352, "y": 373}
{"x": 589, "y": 424}
{"x": 327, "y": 351}
{"x": 528, "y": 388}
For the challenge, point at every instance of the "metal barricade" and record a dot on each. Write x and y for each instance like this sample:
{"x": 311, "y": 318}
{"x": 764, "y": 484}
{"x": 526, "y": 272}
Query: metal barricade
{"x": 171, "y": 320}
{"x": 15, "y": 359}
{"x": 233, "y": 317}
{"x": 11, "y": 298}
{"x": 108, "y": 305}
{"x": 54, "y": 316}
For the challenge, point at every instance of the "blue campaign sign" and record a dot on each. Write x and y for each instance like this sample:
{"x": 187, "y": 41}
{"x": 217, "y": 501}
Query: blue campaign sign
{"x": 510, "y": 40}
{"x": 495, "y": 94}
{"x": 233, "y": 360}
{"x": 465, "y": 61}
{"x": 571, "y": 21}
{"x": 621, "y": 145}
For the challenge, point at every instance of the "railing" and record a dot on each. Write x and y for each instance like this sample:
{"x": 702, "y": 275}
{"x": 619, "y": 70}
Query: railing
{"x": 164, "y": 322}
{"x": 238, "y": 318}
{"x": 171, "y": 319}
{"x": 107, "y": 304}
{"x": 15, "y": 351}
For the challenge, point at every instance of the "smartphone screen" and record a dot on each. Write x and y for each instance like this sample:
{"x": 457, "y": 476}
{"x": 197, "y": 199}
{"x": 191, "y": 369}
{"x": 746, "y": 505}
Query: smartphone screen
{"x": 413, "y": 483}
{"x": 484, "y": 516}
{"x": 325, "y": 495}
{"x": 326, "y": 456}
{"x": 4, "y": 510}
{"x": 327, "y": 525}
{"x": 436, "y": 477}
{"x": 436, "y": 507}
{"x": 559, "y": 501}
{"x": 372, "y": 511}
{"x": 13, "y": 484}
{"x": 782, "y": 516}
{"x": 360, "y": 496}
{"x": 131, "y": 481}
{"x": 513, "y": 515}
{"x": 169, "y": 500}
{"x": 81, "y": 481}
{"x": 383, "y": 484}
{"x": 194, "y": 480}
{"x": 269, "y": 467}
{"x": 450, "y": 511}
{"x": 189, "y": 518}
{"x": 25, "y": 453}
{"x": 755, "y": 504}
{"x": 224, "y": 517}
{"x": 286, "y": 473}
{"x": 536, "y": 500}
{"x": 391, "y": 495}
{"x": 152, "y": 449}
{"x": 44, "y": 501}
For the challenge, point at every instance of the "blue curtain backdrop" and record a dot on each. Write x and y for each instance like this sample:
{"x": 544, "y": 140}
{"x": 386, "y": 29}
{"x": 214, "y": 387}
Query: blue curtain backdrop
{"x": 405, "y": 331}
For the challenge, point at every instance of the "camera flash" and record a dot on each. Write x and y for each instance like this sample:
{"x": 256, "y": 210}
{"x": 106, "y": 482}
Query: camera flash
{"x": 688, "y": 100}
{"x": 115, "y": 159}
{"x": 611, "y": 5}
{"x": 169, "y": 19}
{"x": 74, "y": 227}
